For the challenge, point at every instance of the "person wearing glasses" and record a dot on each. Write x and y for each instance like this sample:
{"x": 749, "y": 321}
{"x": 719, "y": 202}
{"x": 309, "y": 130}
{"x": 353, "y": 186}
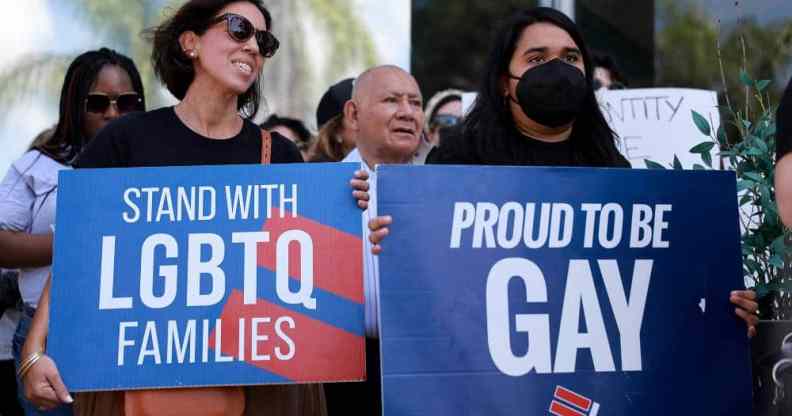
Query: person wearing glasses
{"x": 444, "y": 110}
{"x": 99, "y": 86}
{"x": 209, "y": 54}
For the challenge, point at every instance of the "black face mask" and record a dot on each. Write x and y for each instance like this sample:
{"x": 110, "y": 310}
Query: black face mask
{"x": 551, "y": 94}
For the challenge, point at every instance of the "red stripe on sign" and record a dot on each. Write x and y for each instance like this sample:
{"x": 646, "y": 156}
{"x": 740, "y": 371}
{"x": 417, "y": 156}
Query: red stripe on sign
{"x": 560, "y": 409}
{"x": 319, "y": 351}
{"x": 572, "y": 398}
{"x": 338, "y": 256}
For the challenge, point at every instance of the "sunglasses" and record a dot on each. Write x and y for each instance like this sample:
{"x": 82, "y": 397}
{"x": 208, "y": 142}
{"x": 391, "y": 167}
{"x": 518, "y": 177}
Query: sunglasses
{"x": 241, "y": 30}
{"x": 445, "y": 120}
{"x": 127, "y": 102}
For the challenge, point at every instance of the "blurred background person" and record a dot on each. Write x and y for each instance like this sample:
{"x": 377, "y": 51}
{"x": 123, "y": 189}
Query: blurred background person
{"x": 607, "y": 74}
{"x": 335, "y": 139}
{"x": 99, "y": 86}
{"x": 9, "y": 318}
{"x": 443, "y": 110}
{"x": 292, "y": 129}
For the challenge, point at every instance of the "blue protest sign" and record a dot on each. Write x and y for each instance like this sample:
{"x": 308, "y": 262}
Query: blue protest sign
{"x": 206, "y": 276}
{"x": 564, "y": 291}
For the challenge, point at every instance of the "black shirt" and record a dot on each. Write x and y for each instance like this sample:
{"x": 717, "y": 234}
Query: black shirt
{"x": 159, "y": 138}
{"x": 459, "y": 149}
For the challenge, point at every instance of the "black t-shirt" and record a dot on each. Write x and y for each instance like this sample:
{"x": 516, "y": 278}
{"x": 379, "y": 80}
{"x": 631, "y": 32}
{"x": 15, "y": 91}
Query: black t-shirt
{"x": 159, "y": 138}
{"x": 784, "y": 124}
{"x": 459, "y": 149}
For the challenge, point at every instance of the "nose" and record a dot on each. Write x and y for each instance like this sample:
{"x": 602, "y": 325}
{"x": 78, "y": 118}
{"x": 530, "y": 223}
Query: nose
{"x": 406, "y": 109}
{"x": 112, "y": 111}
{"x": 251, "y": 45}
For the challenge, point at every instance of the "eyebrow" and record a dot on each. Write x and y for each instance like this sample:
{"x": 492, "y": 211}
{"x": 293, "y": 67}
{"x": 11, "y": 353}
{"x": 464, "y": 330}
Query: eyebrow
{"x": 402, "y": 94}
{"x": 543, "y": 49}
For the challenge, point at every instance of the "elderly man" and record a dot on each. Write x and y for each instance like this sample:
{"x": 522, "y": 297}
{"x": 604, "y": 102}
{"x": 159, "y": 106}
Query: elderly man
{"x": 386, "y": 114}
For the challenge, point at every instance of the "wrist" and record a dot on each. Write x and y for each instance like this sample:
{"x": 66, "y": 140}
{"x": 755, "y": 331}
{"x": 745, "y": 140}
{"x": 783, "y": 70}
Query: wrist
{"x": 33, "y": 346}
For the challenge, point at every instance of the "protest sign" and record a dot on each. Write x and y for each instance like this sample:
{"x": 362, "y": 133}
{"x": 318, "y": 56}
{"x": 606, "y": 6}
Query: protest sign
{"x": 657, "y": 123}
{"x": 565, "y": 291}
{"x": 205, "y": 276}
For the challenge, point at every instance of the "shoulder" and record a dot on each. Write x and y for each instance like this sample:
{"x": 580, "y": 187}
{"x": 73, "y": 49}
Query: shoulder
{"x": 35, "y": 160}
{"x": 37, "y": 169}
{"x": 456, "y": 147}
{"x": 622, "y": 162}
{"x": 110, "y": 147}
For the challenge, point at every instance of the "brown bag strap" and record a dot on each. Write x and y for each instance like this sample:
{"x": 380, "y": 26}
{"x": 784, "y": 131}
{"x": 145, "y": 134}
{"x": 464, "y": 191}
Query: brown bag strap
{"x": 266, "y": 147}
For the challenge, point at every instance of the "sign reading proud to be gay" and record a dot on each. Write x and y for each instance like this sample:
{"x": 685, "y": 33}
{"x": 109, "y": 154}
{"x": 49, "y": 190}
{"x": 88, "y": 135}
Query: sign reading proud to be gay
{"x": 562, "y": 291}
{"x": 201, "y": 276}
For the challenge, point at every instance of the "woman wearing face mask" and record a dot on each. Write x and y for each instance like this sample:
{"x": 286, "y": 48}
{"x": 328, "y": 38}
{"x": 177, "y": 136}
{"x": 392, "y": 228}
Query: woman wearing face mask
{"x": 536, "y": 107}
{"x": 209, "y": 54}
{"x": 99, "y": 86}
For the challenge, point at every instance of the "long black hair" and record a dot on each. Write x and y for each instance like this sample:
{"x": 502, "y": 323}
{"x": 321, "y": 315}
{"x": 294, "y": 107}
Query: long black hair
{"x": 175, "y": 68}
{"x": 490, "y": 127}
{"x": 68, "y": 138}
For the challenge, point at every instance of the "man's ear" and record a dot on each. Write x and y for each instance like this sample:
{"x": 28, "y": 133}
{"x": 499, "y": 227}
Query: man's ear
{"x": 351, "y": 115}
{"x": 190, "y": 44}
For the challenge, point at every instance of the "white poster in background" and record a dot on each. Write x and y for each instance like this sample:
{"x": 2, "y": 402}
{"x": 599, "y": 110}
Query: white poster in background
{"x": 657, "y": 123}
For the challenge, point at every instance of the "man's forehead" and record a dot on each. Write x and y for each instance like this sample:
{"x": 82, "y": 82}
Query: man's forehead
{"x": 395, "y": 83}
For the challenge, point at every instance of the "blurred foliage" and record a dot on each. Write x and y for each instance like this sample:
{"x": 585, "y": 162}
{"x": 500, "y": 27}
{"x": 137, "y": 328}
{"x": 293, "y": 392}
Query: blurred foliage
{"x": 688, "y": 42}
{"x": 751, "y": 155}
{"x": 120, "y": 24}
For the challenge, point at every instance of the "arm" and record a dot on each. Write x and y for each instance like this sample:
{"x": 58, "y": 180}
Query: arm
{"x": 43, "y": 385}
{"x": 783, "y": 188}
{"x": 19, "y": 250}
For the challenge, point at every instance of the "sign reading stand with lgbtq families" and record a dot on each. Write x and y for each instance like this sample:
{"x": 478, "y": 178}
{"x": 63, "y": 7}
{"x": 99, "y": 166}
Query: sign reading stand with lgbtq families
{"x": 562, "y": 291}
{"x": 207, "y": 276}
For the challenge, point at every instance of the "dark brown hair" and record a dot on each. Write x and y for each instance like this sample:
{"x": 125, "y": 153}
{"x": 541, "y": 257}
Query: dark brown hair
{"x": 328, "y": 146}
{"x": 175, "y": 69}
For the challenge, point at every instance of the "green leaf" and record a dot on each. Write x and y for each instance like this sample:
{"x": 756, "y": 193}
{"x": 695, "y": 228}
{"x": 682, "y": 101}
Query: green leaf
{"x": 745, "y": 199}
{"x": 653, "y": 165}
{"x": 743, "y": 185}
{"x": 761, "y": 145}
{"x": 702, "y": 123}
{"x": 698, "y": 167}
{"x": 677, "y": 164}
{"x": 707, "y": 158}
{"x": 704, "y": 147}
{"x": 762, "y": 85}
{"x": 722, "y": 138}
{"x": 777, "y": 261}
{"x": 753, "y": 151}
{"x": 746, "y": 79}
{"x": 779, "y": 245}
{"x": 753, "y": 176}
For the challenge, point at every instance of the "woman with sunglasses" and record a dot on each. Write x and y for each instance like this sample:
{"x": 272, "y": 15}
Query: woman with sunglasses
{"x": 99, "y": 86}
{"x": 209, "y": 55}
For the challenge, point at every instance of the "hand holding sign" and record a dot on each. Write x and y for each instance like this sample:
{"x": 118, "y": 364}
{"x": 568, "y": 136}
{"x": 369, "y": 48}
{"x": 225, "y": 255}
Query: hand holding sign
{"x": 607, "y": 283}
{"x": 205, "y": 276}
